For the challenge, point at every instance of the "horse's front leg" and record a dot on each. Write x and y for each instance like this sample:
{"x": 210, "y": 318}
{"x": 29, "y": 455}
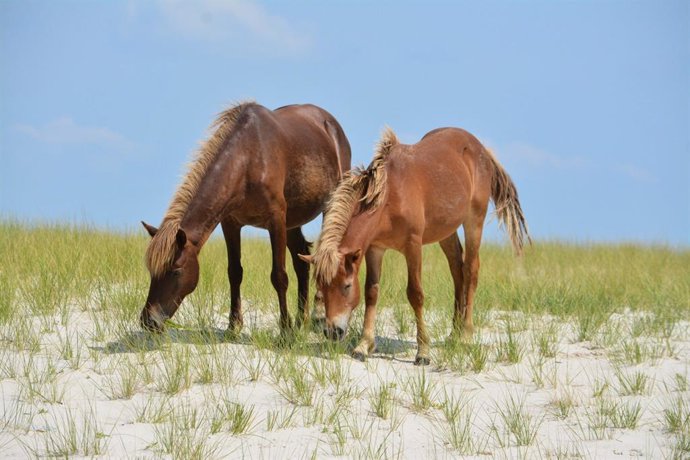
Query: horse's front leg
{"x": 415, "y": 295}
{"x": 279, "y": 277}
{"x": 297, "y": 245}
{"x": 374, "y": 259}
{"x": 231, "y": 232}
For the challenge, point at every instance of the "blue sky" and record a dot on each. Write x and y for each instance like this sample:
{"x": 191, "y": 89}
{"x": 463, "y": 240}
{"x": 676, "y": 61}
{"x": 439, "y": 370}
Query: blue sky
{"x": 587, "y": 104}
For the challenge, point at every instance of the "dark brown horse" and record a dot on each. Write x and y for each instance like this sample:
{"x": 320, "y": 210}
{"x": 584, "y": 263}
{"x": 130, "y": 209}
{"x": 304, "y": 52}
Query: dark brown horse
{"x": 409, "y": 196}
{"x": 269, "y": 169}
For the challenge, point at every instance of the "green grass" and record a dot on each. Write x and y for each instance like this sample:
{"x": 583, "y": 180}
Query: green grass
{"x": 48, "y": 266}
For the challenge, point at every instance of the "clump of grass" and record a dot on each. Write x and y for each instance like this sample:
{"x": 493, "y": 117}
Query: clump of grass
{"x": 563, "y": 405}
{"x": 477, "y": 355}
{"x": 597, "y": 421}
{"x": 587, "y": 326}
{"x": 680, "y": 449}
{"x": 232, "y": 417}
{"x": 382, "y": 399}
{"x": 338, "y": 438}
{"x": 175, "y": 373}
{"x": 422, "y": 390}
{"x": 253, "y": 363}
{"x": 676, "y": 416}
{"x": 124, "y": 383}
{"x": 536, "y": 368}
{"x": 546, "y": 340}
{"x": 459, "y": 355}
{"x": 69, "y": 436}
{"x": 154, "y": 409}
{"x": 517, "y": 422}
{"x": 280, "y": 419}
{"x": 630, "y": 384}
{"x": 509, "y": 350}
{"x": 205, "y": 367}
{"x": 457, "y": 432}
{"x": 184, "y": 436}
{"x": 17, "y": 415}
{"x": 297, "y": 387}
{"x": 39, "y": 381}
{"x": 625, "y": 415}
{"x": 70, "y": 350}
{"x": 599, "y": 388}
{"x": 681, "y": 382}
{"x": 607, "y": 414}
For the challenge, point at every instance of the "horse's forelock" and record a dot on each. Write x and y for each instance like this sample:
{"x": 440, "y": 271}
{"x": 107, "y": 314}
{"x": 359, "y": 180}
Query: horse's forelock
{"x": 160, "y": 253}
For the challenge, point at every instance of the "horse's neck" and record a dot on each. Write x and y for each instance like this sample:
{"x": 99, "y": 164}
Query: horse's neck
{"x": 213, "y": 197}
{"x": 362, "y": 230}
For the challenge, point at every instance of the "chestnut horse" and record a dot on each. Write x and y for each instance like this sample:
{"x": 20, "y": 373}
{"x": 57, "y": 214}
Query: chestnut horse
{"x": 411, "y": 195}
{"x": 269, "y": 169}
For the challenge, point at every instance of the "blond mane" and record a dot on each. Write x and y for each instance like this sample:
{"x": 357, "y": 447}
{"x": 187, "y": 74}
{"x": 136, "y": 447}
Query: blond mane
{"x": 365, "y": 187}
{"x": 161, "y": 249}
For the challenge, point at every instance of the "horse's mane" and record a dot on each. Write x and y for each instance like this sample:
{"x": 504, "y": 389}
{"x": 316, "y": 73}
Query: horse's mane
{"x": 365, "y": 187}
{"x": 161, "y": 249}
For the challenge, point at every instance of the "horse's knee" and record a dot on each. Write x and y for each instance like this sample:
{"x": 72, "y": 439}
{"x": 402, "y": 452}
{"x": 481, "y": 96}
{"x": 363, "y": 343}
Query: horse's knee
{"x": 415, "y": 296}
{"x": 279, "y": 279}
{"x": 235, "y": 274}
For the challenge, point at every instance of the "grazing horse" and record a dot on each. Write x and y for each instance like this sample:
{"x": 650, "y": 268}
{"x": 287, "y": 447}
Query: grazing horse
{"x": 273, "y": 169}
{"x": 411, "y": 195}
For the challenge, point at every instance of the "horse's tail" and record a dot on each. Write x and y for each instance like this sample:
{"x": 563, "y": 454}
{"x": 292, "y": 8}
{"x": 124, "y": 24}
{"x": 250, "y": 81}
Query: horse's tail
{"x": 508, "y": 209}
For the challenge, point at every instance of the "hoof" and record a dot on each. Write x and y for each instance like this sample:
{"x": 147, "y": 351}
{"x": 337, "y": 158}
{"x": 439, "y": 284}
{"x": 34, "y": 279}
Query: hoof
{"x": 359, "y": 356}
{"x": 422, "y": 361}
{"x": 288, "y": 333}
{"x": 231, "y": 333}
{"x": 235, "y": 325}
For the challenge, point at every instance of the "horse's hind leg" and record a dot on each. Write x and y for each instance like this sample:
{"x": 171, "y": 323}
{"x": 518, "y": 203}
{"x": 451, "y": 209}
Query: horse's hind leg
{"x": 299, "y": 245}
{"x": 279, "y": 277}
{"x": 453, "y": 250}
{"x": 231, "y": 232}
{"x": 473, "y": 239}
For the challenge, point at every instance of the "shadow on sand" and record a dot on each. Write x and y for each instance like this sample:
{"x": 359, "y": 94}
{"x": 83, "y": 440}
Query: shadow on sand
{"x": 310, "y": 343}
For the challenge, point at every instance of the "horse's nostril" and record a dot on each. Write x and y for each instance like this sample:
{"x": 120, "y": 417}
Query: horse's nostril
{"x": 149, "y": 324}
{"x": 339, "y": 333}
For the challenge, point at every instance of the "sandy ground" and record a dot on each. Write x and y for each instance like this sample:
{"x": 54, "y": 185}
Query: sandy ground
{"x": 42, "y": 394}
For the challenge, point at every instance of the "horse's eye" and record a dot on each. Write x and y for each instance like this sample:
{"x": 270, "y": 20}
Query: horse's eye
{"x": 346, "y": 288}
{"x": 177, "y": 272}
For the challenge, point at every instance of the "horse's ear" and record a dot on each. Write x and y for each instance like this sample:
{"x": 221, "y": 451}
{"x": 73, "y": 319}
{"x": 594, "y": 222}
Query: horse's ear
{"x": 352, "y": 257}
{"x": 181, "y": 238}
{"x": 307, "y": 258}
{"x": 150, "y": 229}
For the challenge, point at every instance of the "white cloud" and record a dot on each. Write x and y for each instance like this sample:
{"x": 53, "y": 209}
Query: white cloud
{"x": 236, "y": 24}
{"x": 538, "y": 157}
{"x": 64, "y": 130}
{"x": 636, "y": 173}
{"x": 534, "y": 156}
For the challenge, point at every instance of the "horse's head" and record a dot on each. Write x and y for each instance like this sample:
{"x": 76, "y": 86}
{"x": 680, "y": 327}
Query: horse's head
{"x": 170, "y": 286}
{"x": 341, "y": 295}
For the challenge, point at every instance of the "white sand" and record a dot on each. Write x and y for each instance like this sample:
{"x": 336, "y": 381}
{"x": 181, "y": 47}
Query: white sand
{"x": 30, "y": 420}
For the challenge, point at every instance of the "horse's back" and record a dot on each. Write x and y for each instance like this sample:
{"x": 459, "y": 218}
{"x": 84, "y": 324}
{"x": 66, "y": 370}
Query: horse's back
{"x": 440, "y": 181}
{"x": 303, "y": 151}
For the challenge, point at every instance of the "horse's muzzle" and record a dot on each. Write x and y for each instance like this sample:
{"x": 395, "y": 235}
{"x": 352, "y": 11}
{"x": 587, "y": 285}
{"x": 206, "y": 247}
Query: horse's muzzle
{"x": 152, "y": 319}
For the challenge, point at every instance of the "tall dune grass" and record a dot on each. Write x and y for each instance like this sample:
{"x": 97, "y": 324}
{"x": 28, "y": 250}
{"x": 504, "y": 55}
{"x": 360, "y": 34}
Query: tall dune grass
{"x": 45, "y": 267}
